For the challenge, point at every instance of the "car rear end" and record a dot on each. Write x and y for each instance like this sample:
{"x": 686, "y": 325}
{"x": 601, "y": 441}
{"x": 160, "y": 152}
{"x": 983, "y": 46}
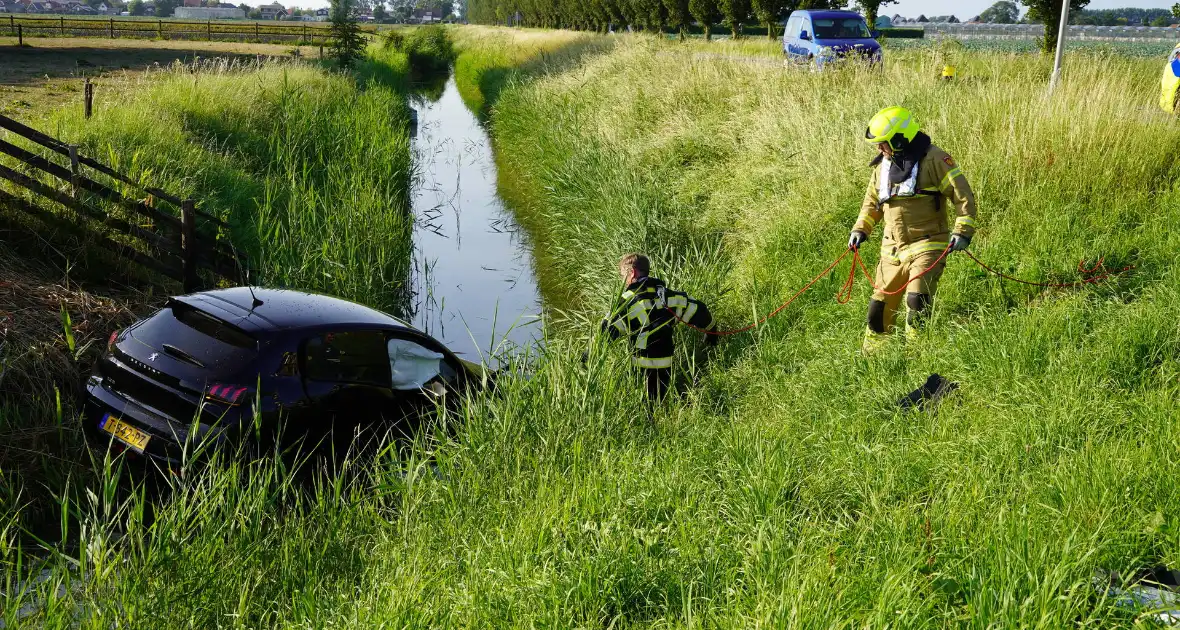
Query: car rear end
{"x": 172, "y": 382}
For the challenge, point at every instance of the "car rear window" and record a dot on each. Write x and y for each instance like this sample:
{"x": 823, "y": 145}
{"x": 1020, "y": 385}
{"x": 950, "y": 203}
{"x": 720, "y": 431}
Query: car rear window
{"x": 210, "y": 326}
{"x": 189, "y": 334}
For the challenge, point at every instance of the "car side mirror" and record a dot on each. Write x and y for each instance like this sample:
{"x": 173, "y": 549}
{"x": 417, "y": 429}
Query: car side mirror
{"x": 875, "y": 33}
{"x": 805, "y": 36}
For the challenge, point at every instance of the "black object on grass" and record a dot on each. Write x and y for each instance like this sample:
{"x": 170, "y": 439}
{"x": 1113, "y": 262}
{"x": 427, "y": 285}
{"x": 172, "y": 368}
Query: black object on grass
{"x": 935, "y": 388}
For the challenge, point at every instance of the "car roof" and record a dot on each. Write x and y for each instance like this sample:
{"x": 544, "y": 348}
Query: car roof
{"x": 830, "y": 14}
{"x": 282, "y": 309}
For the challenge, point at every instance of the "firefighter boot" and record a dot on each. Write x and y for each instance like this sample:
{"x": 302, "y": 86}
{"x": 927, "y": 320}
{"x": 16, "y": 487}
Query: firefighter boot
{"x": 917, "y": 310}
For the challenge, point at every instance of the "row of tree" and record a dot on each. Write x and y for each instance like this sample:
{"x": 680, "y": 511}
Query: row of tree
{"x": 679, "y": 14}
{"x": 652, "y": 14}
{"x": 1008, "y": 12}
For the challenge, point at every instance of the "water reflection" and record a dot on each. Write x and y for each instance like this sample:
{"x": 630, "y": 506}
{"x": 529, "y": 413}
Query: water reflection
{"x": 474, "y": 282}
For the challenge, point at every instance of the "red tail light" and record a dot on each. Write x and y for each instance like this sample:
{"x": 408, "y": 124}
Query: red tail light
{"x": 111, "y": 341}
{"x": 232, "y": 395}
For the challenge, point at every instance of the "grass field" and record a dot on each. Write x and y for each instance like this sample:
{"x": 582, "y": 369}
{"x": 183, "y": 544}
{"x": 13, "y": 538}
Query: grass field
{"x": 784, "y": 488}
{"x": 47, "y": 74}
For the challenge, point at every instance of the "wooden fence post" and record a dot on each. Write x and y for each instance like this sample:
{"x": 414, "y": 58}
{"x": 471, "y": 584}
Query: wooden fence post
{"x": 188, "y": 245}
{"x": 112, "y": 28}
{"x": 209, "y": 30}
{"x": 74, "y": 170}
{"x": 257, "y": 37}
{"x": 62, "y": 22}
{"x": 12, "y": 24}
{"x": 160, "y": 29}
{"x": 88, "y": 98}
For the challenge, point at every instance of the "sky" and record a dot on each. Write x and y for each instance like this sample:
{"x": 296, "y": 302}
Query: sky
{"x": 966, "y": 9}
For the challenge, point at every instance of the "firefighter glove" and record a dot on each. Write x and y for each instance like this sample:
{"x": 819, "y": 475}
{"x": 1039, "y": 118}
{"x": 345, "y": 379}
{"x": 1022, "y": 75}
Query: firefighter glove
{"x": 856, "y": 239}
{"x": 959, "y": 242}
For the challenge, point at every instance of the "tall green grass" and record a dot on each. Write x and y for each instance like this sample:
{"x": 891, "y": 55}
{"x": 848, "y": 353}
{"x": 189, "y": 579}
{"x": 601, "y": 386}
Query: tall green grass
{"x": 310, "y": 167}
{"x": 783, "y": 488}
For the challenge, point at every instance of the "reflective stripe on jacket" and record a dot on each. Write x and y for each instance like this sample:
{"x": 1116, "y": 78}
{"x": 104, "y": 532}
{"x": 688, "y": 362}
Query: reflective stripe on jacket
{"x": 642, "y": 314}
{"x": 918, "y": 222}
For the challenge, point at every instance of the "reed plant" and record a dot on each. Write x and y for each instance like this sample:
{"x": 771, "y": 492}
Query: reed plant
{"x": 310, "y": 167}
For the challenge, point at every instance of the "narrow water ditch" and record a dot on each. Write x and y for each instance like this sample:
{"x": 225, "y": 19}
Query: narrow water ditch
{"x": 474, "y": 278}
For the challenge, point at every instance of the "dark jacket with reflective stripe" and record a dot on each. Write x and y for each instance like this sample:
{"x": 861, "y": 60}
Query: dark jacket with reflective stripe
{"x": 643, "y": 314}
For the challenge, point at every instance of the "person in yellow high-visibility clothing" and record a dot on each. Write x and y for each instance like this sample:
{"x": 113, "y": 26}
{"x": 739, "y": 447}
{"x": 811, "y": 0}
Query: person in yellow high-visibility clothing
{"x": 910, "y": 182}
{"x": 1170, "y": 83}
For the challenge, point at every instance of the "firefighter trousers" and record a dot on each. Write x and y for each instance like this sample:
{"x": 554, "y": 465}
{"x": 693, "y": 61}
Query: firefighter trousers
{"x": 894, "y": 273}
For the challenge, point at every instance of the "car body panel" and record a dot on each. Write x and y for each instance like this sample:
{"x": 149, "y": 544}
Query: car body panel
{"x": 170, "y": 379}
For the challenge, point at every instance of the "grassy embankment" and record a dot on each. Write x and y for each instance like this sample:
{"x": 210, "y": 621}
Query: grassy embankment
{"x": 785, "y": 489}
{"x": 310, "y": 166}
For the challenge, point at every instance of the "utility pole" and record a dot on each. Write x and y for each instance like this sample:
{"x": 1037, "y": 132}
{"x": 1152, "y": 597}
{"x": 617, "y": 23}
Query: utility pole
{"x": 1061, "y": 31}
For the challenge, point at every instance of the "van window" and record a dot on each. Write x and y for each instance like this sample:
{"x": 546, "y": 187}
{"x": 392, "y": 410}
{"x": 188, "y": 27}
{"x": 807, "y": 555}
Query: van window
{"x": 843, "y": 28}
{"x": 792, "y": 29}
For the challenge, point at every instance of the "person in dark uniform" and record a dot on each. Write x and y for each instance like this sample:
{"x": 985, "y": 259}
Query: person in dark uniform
{"x": 647, "y": 313}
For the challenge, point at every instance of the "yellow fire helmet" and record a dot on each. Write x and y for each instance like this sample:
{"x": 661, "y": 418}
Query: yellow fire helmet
{"x": 890, "y": 125}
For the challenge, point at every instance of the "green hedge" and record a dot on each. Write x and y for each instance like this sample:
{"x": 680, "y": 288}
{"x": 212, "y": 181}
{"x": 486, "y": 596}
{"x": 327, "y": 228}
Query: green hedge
{"x": 903, "y": 33}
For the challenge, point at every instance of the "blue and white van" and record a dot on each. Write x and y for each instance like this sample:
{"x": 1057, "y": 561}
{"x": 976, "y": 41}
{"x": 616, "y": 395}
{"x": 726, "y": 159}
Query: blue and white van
{"x": 820, "y": 37}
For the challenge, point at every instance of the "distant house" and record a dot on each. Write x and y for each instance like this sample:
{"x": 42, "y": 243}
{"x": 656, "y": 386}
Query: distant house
{"x": 209, "y": 13}
{"x": 272, "y": 11}
{"x": 420, "y": 16}
{"x": 12, "y": 7}
{"x": 323, "y": 13}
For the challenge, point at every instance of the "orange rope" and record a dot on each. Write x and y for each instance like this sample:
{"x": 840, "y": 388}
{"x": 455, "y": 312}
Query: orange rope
{"x": 845, "y": 294}
{"x": 726, "y": 333}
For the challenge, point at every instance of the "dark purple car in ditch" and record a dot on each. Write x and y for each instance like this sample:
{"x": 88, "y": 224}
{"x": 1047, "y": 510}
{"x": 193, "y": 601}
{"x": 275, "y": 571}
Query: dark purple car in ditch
{"x": 224, "y": 365}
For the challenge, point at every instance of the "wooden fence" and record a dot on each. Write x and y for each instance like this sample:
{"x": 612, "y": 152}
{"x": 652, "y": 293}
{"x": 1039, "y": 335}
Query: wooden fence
{"x": 212, "y": 30}
{"x": 182, "y": 245}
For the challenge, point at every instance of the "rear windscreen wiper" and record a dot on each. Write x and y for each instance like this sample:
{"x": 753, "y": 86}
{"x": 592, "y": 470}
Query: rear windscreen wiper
{"x": 182, "y": 355}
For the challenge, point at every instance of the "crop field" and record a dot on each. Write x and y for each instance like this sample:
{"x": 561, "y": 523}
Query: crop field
{"x": 783, "y": 487}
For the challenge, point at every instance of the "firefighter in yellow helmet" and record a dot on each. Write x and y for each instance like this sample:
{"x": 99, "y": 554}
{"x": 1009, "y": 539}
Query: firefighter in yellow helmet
{"x": 1170, "y": 83}
{"x": 911, "y": 181}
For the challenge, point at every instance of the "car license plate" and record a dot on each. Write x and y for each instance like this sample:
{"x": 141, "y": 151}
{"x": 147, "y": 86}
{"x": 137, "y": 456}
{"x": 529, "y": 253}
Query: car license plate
{"x": 124, "y": 432}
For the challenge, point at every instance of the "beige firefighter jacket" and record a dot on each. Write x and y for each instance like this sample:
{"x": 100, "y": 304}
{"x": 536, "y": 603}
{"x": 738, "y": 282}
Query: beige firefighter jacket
{"x": 918, "y": 223}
